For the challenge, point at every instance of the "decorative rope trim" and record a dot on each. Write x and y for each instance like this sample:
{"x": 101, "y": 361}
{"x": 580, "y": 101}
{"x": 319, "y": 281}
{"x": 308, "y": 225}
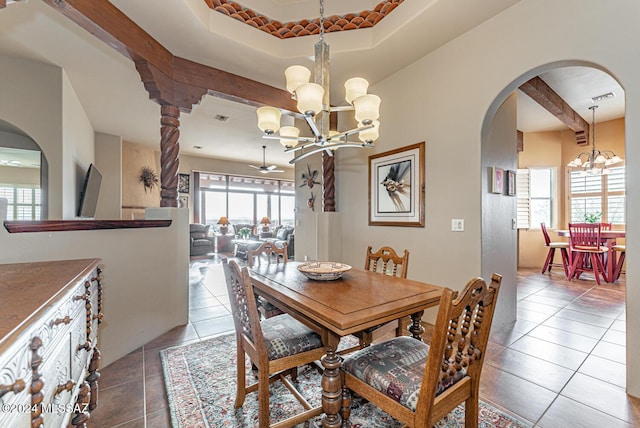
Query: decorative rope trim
{"x": 305, "y": 27}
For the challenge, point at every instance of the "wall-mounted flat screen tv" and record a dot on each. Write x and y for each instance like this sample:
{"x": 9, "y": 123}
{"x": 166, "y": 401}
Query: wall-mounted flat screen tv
{"x": 90, "y": 191}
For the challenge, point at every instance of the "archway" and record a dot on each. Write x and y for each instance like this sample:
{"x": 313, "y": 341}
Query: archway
{"x": 23, "y": 165}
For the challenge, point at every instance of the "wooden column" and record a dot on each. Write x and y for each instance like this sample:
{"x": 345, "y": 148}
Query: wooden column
{"x": 170, "y": 151}
{"x": 328, "y": 183}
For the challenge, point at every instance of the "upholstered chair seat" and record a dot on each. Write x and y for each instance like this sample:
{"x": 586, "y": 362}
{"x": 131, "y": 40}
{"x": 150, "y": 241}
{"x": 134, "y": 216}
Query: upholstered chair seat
{"x": 285, "y": 336}
{"x": 395, "y": 368}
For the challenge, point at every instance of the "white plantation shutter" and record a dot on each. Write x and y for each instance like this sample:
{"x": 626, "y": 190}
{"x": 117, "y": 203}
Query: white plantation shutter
{"x": 523, "y": 202}
{"x": 598, "y": 194}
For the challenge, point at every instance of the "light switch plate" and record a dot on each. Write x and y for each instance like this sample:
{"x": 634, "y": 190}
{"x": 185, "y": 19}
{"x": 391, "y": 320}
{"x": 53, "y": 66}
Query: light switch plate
{"x": 457, "y": 225}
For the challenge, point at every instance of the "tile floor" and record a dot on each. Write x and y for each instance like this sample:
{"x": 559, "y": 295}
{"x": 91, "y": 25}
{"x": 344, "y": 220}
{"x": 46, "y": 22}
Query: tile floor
{"x": 562, "y": 364}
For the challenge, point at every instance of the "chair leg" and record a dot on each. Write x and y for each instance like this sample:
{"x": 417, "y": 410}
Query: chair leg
{"x": 618, "y": 268}
{"x": 263, "y": 399}
{"x": 566, "y": 262}
{"x": 241, "y": 390}
{"x": 577, "y": 259}
{"x": 549, "y": 260}
{"x": 471, "y": 412}
{"x": 596, "y": 264}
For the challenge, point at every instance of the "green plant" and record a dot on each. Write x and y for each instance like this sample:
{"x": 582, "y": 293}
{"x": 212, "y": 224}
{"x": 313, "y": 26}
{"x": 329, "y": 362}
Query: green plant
{"x": 244, "y": 232}
{"x": 592, "y": 217}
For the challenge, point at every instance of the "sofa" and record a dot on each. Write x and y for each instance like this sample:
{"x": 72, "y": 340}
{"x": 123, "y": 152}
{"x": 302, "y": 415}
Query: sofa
{"x": 279, "y": 235}
{"x": 201, "y": 243}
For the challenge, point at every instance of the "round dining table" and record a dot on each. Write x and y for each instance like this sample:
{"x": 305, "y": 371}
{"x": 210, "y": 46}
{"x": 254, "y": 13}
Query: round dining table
{"x": 609, "y": 237}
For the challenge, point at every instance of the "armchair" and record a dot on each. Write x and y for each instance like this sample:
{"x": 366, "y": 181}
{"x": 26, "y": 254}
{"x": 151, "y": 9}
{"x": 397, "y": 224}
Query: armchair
{"x": 201, "y": 242}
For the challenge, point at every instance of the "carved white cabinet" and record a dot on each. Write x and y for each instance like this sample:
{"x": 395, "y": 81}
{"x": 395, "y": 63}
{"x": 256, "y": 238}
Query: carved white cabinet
{"x": 49, "y": 318}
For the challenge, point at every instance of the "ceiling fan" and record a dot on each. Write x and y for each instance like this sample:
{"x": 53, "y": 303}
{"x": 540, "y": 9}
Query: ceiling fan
{"x": 264, "y": 168}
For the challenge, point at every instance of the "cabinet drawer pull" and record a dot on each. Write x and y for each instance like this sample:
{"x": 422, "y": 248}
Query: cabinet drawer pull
{"x": 86, "y": 346}
{"x": 16, "y": 387}
{"x": 84, "y": 296}
{"x": 65, "y": 320}
{"x": 68, "y": 386}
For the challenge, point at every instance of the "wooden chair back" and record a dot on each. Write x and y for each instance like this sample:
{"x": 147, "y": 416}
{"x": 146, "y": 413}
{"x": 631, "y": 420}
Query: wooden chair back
{"x": 387, "y": 261}
{"x": 269, "y": 249}
{"x": 460, "y": 339}
{"x": 605, "y": 226}
{"x": 584, "y": 236}
{"x": 244, "y": 310}
{"x": 547, "y": 240}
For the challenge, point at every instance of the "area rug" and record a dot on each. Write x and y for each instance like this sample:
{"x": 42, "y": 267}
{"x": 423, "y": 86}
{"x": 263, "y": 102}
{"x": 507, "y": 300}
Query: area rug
{"x": 201, "y": 388}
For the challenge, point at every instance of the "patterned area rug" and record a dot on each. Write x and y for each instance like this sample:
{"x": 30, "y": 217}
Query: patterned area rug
{"x": 201, "y": 388}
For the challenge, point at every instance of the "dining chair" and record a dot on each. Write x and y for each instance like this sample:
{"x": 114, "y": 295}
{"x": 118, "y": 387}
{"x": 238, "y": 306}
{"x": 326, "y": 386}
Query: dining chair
{"x": 587, "y": 251}
{"x": 553, "y": 246}
{"x": 386, "y": 261}
{"x": 419, "y": 383}
{"x": 605, "y": 226}
{"x": 268, "y": 249}
{"x": 276, "y": 346}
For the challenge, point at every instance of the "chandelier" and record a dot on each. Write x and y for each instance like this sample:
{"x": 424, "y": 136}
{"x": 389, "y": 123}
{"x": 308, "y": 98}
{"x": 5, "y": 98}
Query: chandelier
{"x": 595, "y": 162}
{"x": 313, "y": 102}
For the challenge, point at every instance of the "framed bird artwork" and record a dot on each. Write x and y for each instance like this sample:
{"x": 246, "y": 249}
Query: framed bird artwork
{"x": 396, "y": 187}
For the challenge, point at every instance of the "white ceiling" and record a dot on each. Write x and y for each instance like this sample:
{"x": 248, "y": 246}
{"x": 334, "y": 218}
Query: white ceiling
{"x": 115, "y": 101}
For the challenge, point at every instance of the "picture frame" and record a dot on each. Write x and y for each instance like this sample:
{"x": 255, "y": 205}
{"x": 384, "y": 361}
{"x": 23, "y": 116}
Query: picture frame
{"x": 511, "y": 182}
{"x": 183, "y": 201}
{"x": 183, "y": 183}
{"x": 497, "y": 180}
{"x": 397, "y": 187}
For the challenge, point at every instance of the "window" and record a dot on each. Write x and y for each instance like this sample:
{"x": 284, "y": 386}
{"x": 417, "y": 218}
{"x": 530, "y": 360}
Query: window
{"x": 592, "y": 194}
{"x": 23, "y": 201}
{"x": 244, "y": 199}
{"x": 535, "y": 197}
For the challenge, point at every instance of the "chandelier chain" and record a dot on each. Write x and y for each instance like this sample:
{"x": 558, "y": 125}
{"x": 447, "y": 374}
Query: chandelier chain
{"x": 321, "y": 21}
{"x": 593, "y": 126}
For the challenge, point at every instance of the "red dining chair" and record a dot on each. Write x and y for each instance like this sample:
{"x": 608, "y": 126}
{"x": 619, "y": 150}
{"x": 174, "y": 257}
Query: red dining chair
{"x": 562, "y": 246}
{"x": 587, "y": 250}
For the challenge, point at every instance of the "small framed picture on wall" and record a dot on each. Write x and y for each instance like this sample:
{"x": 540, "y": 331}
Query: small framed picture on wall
{"x": 183, "y": 183}
{"x": 511, "y": 183}
{"x": 497, "y": 180}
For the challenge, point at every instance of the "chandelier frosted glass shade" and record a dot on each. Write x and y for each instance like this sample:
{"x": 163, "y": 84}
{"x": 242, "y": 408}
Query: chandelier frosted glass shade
{"x": 296, "y": 75}
{"x": 369, "y": 135}
{"x": 355, "y": 88}
{"x": 367, "y": 108}
{"x": 289, "y": 131}
{"x": 310, "y": 97}
{"x": 269, "y": 119}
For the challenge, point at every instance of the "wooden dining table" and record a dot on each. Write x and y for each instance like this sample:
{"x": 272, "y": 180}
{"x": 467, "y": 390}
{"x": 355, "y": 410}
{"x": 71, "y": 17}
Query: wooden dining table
{"x": 359, "y": 300}
{"x": 609, "y": 238}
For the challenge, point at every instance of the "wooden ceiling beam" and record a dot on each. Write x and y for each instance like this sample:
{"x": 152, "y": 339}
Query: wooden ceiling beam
{"x": 542, "y": 93}
{"x": 168, "y": 79}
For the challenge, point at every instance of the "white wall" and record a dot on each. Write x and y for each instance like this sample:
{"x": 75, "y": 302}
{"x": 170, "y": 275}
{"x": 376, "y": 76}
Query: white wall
{"x": 77, "y": 148}
{"x": 449, "y": 98}
{"x": 108, "y": 155}
{"x": 32, "y": 101}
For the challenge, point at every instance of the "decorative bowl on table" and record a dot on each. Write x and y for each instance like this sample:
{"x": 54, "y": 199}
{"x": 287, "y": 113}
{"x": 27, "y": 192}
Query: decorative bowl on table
{"x": 323, "y": 271}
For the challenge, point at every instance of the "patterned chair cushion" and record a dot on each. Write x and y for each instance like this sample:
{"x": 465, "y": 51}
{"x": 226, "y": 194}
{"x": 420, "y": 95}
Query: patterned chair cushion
{"x": 395, "y": 368}
{"x": 286, "y": 336}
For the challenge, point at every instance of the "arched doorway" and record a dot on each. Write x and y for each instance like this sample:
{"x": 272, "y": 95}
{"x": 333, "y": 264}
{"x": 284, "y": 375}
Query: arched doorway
{"x": 23, "y": 175}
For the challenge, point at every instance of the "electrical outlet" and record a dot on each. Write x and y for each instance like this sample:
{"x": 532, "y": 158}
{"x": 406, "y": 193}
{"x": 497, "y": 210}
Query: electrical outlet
{"x": 457, "y": 225}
